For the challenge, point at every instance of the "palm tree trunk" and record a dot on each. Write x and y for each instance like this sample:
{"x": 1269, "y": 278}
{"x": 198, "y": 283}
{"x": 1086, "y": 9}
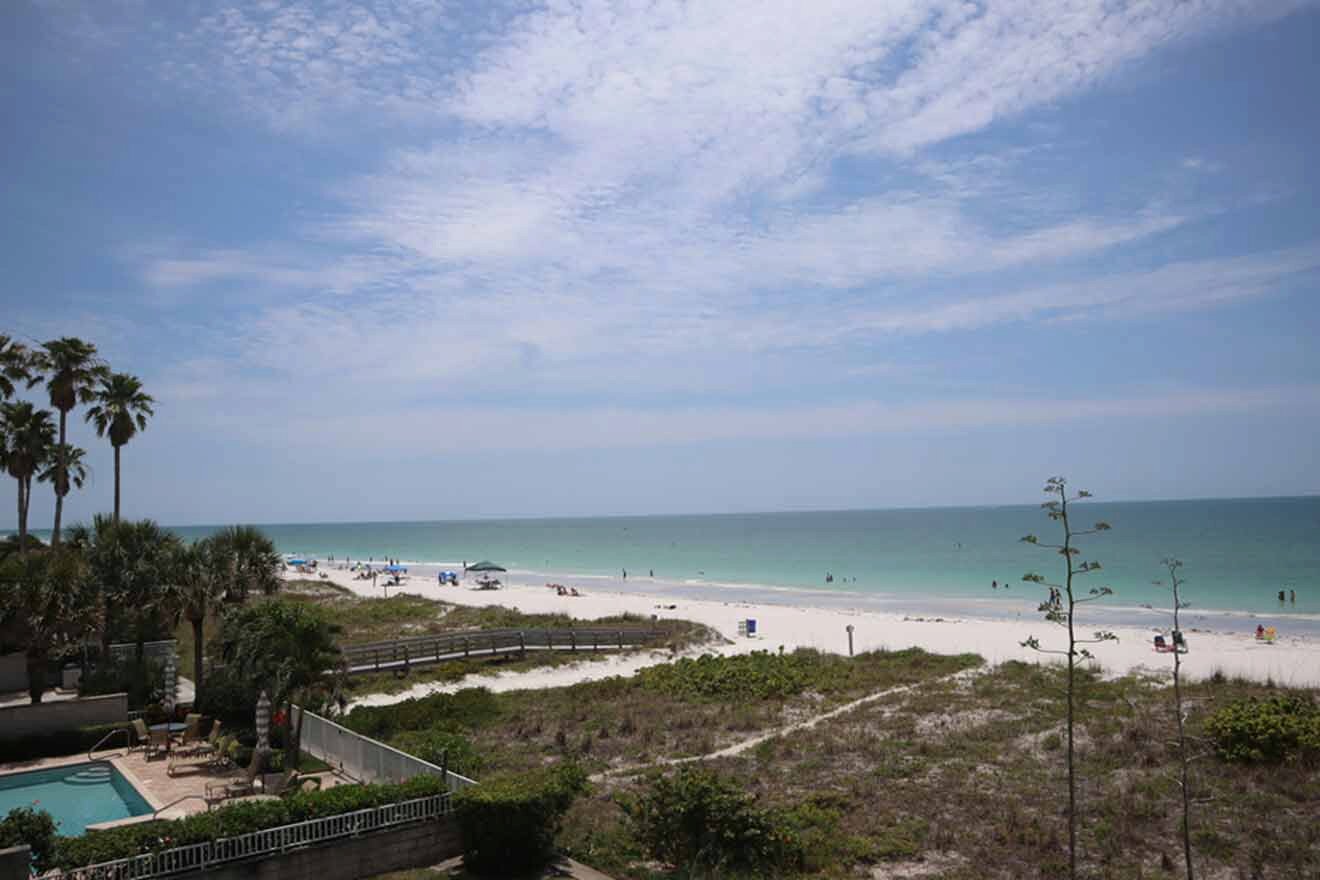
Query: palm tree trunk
{"x": 24, "y": 487}
{"x": 197, "y": 626}
{"x": 36, "y": 672}
{"x": 117, "y": 484}
{"x": 59, "y": 514}
{"x": 63, "y": 472}
{"x": 22, "y": 531}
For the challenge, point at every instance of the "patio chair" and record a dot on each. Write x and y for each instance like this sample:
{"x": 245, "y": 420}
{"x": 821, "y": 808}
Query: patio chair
{"x": 232, "y": 788}
{"x": 198, "y": 749}
{"x": 160, "y": 743}
{"x": 192, "y": 732}
{"x": 141, "y": 736}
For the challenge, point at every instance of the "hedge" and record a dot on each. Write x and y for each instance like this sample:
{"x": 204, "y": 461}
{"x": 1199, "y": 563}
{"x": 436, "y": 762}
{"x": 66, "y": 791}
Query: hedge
{"x": 233, "y": 820}
{"x": 509, "y": 822}
{"x": 57, "y": 743}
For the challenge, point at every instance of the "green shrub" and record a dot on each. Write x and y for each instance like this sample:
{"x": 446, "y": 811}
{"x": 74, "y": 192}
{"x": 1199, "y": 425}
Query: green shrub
{"x": 241, "y": 818}
{"x": 25, "y": 826}
{"x": 1272, "y": 730}
{"x": 465, "y": 709}
{"x": 760, "y": 674}
{"x": 442, "y": 748}
{"x": 696, "y": 819}
{"x": 58, "y": 743}
{"x": 509, "y": 822}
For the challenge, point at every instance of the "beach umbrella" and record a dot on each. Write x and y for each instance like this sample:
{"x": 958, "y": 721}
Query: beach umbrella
{"x": 171, "y": 683}
{"x": 486, "y": 565}
{"x": 297, "y": 562}
{"x": 263, "y": 723}
{"x": 396, "y": 568}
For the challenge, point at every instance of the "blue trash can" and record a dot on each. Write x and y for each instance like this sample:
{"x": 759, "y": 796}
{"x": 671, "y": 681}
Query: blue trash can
{"x": 751, "y": 627}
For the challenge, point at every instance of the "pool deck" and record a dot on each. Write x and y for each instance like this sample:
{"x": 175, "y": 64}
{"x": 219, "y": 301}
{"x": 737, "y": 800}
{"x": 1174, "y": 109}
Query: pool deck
{"x": 149, "y": 777}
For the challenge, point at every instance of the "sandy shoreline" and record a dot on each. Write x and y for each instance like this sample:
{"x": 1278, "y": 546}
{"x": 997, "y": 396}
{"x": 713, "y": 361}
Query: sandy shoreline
{"x": 1293, "y": 660}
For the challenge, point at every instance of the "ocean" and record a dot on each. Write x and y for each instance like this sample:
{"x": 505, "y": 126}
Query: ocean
{"x": 1237, "y": 554}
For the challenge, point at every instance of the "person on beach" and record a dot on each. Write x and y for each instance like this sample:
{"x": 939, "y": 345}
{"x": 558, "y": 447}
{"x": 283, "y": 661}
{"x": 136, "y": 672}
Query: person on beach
{"x": 625, "y": 577}
{"x": 650, "y": 573}
{"x": 1292, "y": 596}
{"x": 994, "y": 585}
{"x": 1280, "y": 595}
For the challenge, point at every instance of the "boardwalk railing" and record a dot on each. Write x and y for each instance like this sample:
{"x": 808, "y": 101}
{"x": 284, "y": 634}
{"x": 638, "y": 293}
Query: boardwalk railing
{"x": 364, "y": 758}
{"x": 260, "y": 844}
{"x": 423, "y": 650}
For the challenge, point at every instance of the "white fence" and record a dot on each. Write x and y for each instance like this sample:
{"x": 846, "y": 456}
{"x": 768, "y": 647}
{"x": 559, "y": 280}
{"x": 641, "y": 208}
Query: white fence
{"x": 364, "y": 758}
{"x": 260, "y": 844}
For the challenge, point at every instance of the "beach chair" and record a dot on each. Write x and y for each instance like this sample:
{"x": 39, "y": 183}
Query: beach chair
{"x": 1179, "y": 643}
{"x": 192, "y": 732}
{"x": 1161, "y": 646}
{"x": 291, "y": 782}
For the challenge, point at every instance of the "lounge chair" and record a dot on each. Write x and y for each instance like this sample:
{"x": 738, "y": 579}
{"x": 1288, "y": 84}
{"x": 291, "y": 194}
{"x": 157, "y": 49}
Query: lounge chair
{"x": 292, "y": 782}
{"x": 150, "y": 740}
{"x": 196, "y": 749}
{"x": 1179, "y": 643}
{"x": 1162, "y": 646}
{"x": 232, "y": 788}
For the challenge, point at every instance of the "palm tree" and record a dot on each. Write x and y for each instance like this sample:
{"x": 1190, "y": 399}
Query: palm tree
{"x": 131, "y": 561}
{"x": 202, "y": 575}
{"x": 15, "y": 366}
{"x": 121, "y": 411}
{"x": 257, "y": 563}
{"x": 72, "y": 475}
{"x": 72, "y": 370}
{"x": 49, "y": 603}
{"x": 26, "y": 441}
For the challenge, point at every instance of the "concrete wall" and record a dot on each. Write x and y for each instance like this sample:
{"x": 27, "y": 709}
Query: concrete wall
{"x": 15, "y": 862}
{"x": 13, "y": 672}
{"x": 415, "y": 846}
{"x": 16, "y": 721}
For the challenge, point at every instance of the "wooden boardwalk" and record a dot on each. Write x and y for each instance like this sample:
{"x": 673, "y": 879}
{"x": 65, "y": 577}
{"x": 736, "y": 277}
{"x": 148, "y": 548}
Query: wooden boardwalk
{"x": 403, "y": 654}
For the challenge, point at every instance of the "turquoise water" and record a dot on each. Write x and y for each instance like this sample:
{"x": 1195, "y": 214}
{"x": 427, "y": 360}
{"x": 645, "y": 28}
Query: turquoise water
{"x": 1237, "y": 553}
{"x": 76, "y": 795}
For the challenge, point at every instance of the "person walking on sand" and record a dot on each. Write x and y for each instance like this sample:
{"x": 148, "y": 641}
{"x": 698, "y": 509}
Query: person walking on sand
{"x": 625, "y": 577}
{"x": 994, "y": 585}
{"x": 1292, "y": 596}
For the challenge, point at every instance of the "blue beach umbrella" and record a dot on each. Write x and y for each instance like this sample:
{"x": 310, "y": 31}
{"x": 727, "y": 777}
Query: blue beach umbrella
{"x": 395, "y": 568}
{"x": 297, "y": 562}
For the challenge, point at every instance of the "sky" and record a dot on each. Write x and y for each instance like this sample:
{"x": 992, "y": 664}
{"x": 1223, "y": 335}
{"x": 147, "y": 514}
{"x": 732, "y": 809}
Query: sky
{"x": 401, "y": 260}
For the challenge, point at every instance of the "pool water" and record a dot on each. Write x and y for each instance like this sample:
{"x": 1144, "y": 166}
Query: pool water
{"x": 76, "y": 795}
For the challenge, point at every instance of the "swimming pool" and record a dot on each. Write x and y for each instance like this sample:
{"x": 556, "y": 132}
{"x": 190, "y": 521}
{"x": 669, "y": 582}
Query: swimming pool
{"x": 76, "y": 795}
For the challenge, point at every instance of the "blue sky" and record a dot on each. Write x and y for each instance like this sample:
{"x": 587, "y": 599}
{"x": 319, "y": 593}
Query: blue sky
{"x": 404, "y": 259}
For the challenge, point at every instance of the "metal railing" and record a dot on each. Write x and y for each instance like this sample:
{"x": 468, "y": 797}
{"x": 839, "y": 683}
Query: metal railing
{"x": 261, "y": 844}
{"x": 123, "y": 651}
{"x": 366, "y": 759}
{"x": 103, "y": 740}
{"x": 423, "y": 650}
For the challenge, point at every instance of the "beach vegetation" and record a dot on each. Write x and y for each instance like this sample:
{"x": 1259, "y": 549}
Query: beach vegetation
{"x": 72, "y": 369}
{"x": 1060, "y": 608}
{"x": 1175, "y": 585}
{"x": 1272, "y": 730}
{"x": 702, "y": 822}
{"x": 442, "y": 747}
{"x": 509, "y": 822}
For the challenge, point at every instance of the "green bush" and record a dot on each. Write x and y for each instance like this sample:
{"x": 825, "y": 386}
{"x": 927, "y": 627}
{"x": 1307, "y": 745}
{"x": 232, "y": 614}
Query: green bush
{"x": 1272, "y": 730}
{"x": 25, "y": 826}
{"x": 241, "y": 818}
{"x": 696, "y": 819}
{"x": 442, "y": 748}
{"x": 58, "y": 743}
{"x": 759, "y": 674}
{"x": 509, "y": 822}
{"x": 465, "y": 709}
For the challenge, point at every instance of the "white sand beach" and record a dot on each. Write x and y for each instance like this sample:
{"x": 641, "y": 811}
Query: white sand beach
{"x": 1292, "y": 660}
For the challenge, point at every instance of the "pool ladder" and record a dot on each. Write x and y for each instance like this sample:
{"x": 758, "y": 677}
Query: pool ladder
{"x": 103, "y": 740}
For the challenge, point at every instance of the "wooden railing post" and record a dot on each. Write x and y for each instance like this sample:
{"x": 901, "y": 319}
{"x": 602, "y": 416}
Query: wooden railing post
{"x": 522, "y": 645}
